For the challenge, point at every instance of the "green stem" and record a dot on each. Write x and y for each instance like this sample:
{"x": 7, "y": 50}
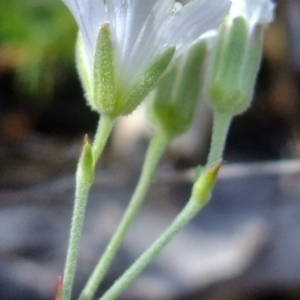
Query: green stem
{"x": 201, "y": 193}
{"x": 155, "y": 150}
{"x": 188, "y": 212}
{"x": 221, "y": 126}
{"x": 103, "y": 131}
{"x": 81, "y": 196}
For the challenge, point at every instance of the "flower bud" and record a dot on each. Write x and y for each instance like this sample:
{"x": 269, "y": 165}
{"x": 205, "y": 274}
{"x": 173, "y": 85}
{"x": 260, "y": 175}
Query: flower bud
{"x": 204, "y": 184}
{"x": 174, "y": 100}
{"x": 85, "y": 168}
{"x": 233, "y": 69}
{"x": 235, "y": 60}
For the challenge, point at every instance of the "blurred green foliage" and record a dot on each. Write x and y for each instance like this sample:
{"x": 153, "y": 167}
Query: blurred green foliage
{"x": 36, "y": 43}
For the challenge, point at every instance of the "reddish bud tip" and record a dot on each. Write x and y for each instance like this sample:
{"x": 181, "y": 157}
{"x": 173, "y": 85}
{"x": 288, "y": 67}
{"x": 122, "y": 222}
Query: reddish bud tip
{"x": 216, "y": 167}
{"x": 86, "y": 139}
{"x": 58, "y": 292}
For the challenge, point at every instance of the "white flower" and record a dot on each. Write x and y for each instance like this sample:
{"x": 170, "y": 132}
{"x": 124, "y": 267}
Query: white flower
{"x": 254, "y": 11}
{"x": 143, "y": 29}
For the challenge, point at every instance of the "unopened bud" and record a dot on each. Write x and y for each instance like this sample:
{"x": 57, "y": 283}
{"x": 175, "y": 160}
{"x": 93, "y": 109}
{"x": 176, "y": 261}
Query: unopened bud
{"x": 204, "y": 184}
{"x": 85, "y": 169}
{"x": 173, "y": 102}
{"x": 233, "y": 68}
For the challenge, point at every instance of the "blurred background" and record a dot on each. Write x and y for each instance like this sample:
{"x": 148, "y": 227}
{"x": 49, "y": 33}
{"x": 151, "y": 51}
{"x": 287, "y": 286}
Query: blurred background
{"x": 245, "y": 244}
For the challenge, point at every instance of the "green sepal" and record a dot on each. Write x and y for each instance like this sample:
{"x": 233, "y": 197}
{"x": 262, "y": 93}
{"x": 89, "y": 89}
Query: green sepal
{"x": 204, "y": 184}
{"x": 234, "y": 66}
{"x": 84, "y": 70}
{"x": 104, "y": 72}
{"x": 176, "y": 96}
{"x": 145, "y": 83}
{"x": 85, "y": 168}
{"x": 252, "y": 61}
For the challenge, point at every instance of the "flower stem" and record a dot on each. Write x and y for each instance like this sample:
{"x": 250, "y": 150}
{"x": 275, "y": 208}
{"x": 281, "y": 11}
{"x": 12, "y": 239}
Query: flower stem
{"x": 103, "y": 131}
{"x": 84, "y": 178}
{"x": 201, "y": 193}
{"x": 221, "y": 126}
{"x": 188, "y": 212}
{"x": 154, "y": 153}
{"x": 81, "y": 195}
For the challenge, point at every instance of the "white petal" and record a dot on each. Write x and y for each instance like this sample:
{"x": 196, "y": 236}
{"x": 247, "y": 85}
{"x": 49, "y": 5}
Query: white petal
{"x": 194, "y": 19}
{"x": 135, "y": 27}
{"x": 88, "y": 15}
{"x": 255, "y": 11}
